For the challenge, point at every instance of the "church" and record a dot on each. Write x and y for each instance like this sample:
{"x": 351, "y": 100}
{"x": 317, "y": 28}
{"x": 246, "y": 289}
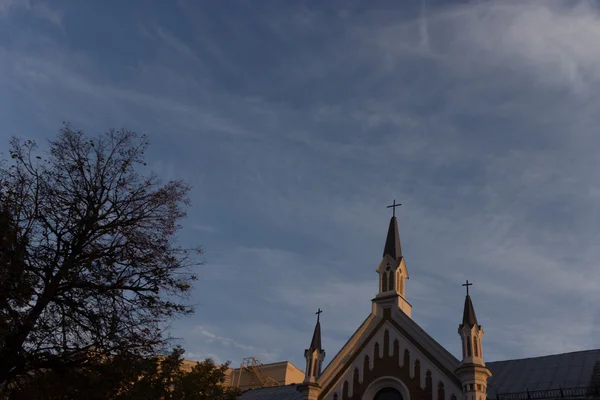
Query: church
{"x": 390, "y": 357}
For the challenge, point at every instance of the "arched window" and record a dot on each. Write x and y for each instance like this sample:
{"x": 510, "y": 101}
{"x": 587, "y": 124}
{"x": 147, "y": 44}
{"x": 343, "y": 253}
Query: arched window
{"x": 366, "y": 365}
{"x": 468, "y": 348}
{"x": 345, "y": 390}
{"x": 441, "y": 391}
{"x": 335, "y": 396}
{"x": 400, "y": 283}
{"x": 475, "y": 347}
{"x": 390, "y": 280}
{"x": 386, "y": 343}
{"x": 418, "y": 371}
{"x": 315, "y": 370}
{"x": 428, "y": 380}
{"x": 384, "y": 282}
{"x": 376, "y": 352}
{"x": 356, "y": 377}
{"x": 388, "y": 394}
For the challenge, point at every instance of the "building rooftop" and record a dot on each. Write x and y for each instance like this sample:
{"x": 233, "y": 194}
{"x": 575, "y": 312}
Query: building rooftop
{"x": 579, "y": 369}
{"x": 543, "y": 377}
{"x": 288, "y": 392}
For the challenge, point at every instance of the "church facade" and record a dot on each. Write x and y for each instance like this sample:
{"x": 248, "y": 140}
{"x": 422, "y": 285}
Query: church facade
{"x": 390, "y": 357}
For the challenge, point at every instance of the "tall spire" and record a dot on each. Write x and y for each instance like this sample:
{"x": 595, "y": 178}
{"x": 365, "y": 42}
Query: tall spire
{"x": 314, "y": 355}
{"x": 472, "y": 370}
{"x": 315, "y": 343}
{"x": 469, "y": 318}
{"x": 392, "y": 241}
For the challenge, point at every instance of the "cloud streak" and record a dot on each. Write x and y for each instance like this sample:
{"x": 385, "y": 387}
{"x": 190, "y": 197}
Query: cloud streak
{"x": 297, "y": 125}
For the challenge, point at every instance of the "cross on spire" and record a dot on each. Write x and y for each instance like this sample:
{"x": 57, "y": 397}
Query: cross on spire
{"x": 319, "y": 311}
{"x": 467, "y": 285}
{"x": 393, "y": 207}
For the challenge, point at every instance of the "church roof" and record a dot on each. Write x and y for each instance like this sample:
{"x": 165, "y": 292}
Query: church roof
{"x": 579, "y": 369}
{"x": 392, "y": 241}
{"x": 287, "y": 392}
{"x": 469, "y": 317}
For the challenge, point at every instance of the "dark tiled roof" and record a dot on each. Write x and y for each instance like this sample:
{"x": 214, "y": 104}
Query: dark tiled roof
{"x": 392, "y": 242}
{"x": 469, "y": 317}
{"x": 288, "y": 392}
{"x": 315, "y": 343}
{"x": 567, "y": 370}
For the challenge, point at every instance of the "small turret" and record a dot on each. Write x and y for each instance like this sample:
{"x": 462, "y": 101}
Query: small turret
{"x": 472, "y": 370}
{"x": 314, "y": 354}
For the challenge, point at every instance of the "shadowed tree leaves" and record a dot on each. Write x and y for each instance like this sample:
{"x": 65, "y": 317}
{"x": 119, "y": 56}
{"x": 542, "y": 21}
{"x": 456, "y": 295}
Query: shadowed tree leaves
{"x": 130, "y": 378}
{"x": 89, "y": 265}
{"x": 167, "y": 379}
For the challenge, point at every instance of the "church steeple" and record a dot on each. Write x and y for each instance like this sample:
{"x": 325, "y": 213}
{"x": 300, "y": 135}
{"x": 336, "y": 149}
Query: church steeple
{"x": 315, "y": 343}
{"x": 469, "y": 318}
{"x": 315, "y": 354}
{"x": 392, "y": 271}
{"x": 392, "y": 246}
{"x": 472, "y": 370}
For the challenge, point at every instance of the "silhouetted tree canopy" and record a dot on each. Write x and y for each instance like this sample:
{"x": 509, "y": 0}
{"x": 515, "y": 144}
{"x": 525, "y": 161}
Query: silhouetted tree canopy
{"x": 131, "y": 378}
{"x": 89, "y": 265}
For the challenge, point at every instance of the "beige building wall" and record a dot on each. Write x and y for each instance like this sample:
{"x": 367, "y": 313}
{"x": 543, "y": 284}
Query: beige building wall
{"x": 279, "y": 373}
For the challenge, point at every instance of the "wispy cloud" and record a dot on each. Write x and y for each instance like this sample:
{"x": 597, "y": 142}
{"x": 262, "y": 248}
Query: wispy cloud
{"x": 7, "y": 5}
{"x": 206, "y": 340}
{"x": 37, "y": 8}
{"x": 296, "y": 125}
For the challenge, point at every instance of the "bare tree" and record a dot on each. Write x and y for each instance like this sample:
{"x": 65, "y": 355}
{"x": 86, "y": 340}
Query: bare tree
{"x": 89, "y": 264}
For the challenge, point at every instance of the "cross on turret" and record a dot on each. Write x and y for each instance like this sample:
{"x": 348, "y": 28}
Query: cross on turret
{"x": 393, "y": 207}
{"x": 467, "y": 285}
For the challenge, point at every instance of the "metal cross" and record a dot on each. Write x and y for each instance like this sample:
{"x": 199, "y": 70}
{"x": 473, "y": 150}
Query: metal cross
{"x": 393, "y": 207}
{"x": 467, "y": 285}
{"x": 318, "y": 314}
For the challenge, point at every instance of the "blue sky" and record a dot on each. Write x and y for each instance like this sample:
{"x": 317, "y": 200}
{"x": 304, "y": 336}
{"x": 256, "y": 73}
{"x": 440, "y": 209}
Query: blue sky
{"x": 296, "y": 123}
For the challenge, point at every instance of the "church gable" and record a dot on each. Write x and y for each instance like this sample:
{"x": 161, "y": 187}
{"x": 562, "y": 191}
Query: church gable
{"x": 388, "y": 353}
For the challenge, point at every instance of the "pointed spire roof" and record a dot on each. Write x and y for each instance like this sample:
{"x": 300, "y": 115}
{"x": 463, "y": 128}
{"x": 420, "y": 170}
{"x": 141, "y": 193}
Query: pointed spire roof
{"x": 315, "y": 343}
{"x": 392, "y": 242}
{"x": 469, "y": 317}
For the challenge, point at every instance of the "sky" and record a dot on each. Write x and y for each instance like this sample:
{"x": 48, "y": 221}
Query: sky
{"x": 297, "y": 123}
